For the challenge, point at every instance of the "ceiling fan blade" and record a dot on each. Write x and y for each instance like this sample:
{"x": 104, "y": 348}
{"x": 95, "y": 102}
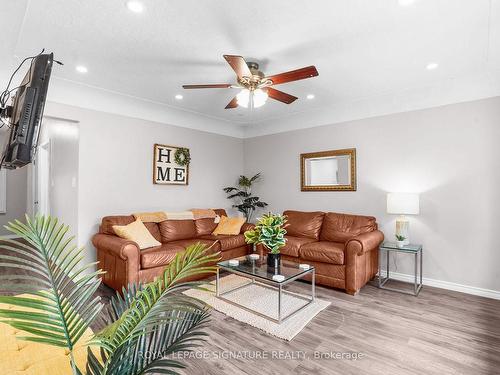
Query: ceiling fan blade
{"x": 280, "y": 96}
{"x": 294, "y": 75}
{"x": 215, "y": 86}
{"x": 232, "y": 104}
{"x": 239, "y": 65}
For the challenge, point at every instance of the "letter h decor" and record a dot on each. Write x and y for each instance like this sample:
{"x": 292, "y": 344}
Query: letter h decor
{"x": 165, "y": 170}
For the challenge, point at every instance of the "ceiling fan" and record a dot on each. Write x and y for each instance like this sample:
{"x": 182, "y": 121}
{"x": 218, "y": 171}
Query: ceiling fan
{"x": 255, "y": 86}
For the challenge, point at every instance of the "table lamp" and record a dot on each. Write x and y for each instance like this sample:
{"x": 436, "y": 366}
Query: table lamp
{"x": 403, "y": 204}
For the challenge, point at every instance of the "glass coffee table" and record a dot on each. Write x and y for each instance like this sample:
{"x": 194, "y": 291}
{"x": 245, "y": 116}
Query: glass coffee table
{"x": 258, "y": 272}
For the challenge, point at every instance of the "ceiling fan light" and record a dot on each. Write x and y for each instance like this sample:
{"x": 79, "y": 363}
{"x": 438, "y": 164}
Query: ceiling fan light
{"x": 259, "y": 98}
{"x": 243, "y": 98}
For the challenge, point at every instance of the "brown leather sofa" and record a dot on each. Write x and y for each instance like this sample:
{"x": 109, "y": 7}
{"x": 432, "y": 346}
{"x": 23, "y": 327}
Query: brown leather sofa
{"x": 342, "y": 248}
{"x": 125, "y": 263}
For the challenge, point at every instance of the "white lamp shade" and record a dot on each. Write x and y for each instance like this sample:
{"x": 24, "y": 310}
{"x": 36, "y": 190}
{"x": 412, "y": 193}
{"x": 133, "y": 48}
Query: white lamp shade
{"x": 403, "y": 203}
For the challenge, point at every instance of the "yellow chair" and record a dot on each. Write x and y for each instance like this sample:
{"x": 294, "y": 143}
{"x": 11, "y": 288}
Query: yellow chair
{"x": 19, "y": 357}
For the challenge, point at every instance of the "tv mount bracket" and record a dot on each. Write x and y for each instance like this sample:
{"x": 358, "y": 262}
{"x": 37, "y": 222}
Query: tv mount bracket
{"x": 6, "y": 112}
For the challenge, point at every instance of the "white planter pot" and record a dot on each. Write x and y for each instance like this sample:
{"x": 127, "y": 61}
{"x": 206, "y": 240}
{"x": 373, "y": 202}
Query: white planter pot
{"x": 400, "y": 244}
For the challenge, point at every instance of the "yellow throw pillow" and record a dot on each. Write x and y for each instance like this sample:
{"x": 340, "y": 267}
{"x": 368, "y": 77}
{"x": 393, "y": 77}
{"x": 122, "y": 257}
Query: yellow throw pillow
{"x": 138, "y": 233}
{"x": 229, "y": 225}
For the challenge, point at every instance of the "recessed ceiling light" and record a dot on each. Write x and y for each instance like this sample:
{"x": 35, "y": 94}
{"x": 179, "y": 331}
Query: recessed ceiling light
{"x": 81, "y": 69}
{"x": 432, "y": 66}
{"x": 135, "y": 6}
{"x": 405, "y": 3}
{"x": 179, "y": 97}
{"x": 310, "y": 96}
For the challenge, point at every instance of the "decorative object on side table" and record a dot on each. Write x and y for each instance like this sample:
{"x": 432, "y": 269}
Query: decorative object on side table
{"x": 403, "y": 204}
{"x": 269, "y": 232}
{"x": 247, "y": 203}
{"x": 400, "y": 241}
{"x": 412, "y": 249}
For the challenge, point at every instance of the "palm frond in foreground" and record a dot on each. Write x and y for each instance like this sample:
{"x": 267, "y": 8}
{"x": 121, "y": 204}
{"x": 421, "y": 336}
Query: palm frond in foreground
{"x": 58, "y": 304}
{"x": 155, "y": 320}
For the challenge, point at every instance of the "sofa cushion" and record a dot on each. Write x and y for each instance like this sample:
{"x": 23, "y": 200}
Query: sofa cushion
{"x": 193, "y": 241}
{"x": 227, "y": 242}
{"x": 323, "y": 251}
{"x": 21, "y": 357}
{"x": 229, "y": 225}
{"x": 293, "y": 244}
{"x": 137, "y": 232}
{"x": 151, "y": 217}
{"x": 220, "y": 211}
{"x": 343, "y": 227}
{"x": 174, "y": 230}
{"x": 304, "y": 224}
{"x": 159, "y": 256}
{"x": 205, "y": 226}
{"x": 109, "y": 221}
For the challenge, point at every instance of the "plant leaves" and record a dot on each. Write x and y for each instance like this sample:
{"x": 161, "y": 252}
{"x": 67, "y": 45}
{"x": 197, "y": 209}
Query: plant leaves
{"x": 59, "y": 314}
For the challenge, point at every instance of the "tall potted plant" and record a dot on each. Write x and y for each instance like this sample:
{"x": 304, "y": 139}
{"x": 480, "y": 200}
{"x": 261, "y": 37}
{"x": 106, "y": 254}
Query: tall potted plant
{"x": 269, "y": 232}
{"x": 146, "y": 319}
{"x": 247, "y": 203}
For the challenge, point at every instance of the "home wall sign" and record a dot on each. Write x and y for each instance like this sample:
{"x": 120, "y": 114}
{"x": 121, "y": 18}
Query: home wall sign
{"x": 166, "y": 171}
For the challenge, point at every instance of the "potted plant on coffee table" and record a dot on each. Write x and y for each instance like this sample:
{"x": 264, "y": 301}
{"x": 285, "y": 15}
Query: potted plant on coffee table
{"x": 269, "y": 232}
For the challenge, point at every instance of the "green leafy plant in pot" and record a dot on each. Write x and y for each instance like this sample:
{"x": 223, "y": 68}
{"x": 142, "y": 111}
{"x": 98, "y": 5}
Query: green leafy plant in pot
{"x": 269, "y": 232}
{"x": 246, "y": 202}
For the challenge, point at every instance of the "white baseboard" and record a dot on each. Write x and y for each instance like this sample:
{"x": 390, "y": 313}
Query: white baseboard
{"x": 488, "y": 293}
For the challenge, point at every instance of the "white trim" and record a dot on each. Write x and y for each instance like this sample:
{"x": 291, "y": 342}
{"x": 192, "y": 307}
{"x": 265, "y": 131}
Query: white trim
{"x": 9, "y": 236}
{"x": 488, "y": 293}
{"x": 81, "y": 95}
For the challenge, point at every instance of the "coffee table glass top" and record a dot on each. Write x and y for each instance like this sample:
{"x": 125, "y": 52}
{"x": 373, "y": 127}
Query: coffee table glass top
{"x": 259, "y": 268}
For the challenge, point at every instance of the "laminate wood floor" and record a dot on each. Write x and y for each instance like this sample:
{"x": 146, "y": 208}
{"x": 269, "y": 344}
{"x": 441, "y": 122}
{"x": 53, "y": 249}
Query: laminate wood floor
{"x": 440, "y": 332}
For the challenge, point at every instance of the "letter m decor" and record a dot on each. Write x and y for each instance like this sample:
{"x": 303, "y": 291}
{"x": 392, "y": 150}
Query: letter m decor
{"x": 165, "y": 170}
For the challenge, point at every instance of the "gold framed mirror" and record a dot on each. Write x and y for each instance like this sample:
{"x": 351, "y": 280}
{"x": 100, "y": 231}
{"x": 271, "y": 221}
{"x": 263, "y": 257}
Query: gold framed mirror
{"x": 333, "y": 170}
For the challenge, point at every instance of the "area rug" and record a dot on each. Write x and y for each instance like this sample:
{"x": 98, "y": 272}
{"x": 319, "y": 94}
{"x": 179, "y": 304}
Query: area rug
{"x": 263, "y": 300}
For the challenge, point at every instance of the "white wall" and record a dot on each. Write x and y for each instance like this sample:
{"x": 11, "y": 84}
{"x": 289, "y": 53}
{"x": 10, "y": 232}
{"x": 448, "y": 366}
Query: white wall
{"x": 449, "y": 155}
{"x": 115, "y": 167}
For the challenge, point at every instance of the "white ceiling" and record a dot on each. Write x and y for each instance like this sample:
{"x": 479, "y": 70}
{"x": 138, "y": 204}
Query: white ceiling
{"x": 371, "y": 55}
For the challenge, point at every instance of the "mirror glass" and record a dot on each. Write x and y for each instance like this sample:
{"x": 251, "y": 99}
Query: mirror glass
{"x": 329, "y": 170}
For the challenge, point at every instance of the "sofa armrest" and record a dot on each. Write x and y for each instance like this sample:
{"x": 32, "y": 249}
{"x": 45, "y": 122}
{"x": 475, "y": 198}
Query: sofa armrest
{"x": 364, "y": 242}
{"x": 361, "y": 260}
{"x": 246, "y": 226}
{"x": 125, "y": 249}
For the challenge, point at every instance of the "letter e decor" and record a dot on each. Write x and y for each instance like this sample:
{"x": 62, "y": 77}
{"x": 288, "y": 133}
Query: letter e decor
{"x": 170, "y": 165}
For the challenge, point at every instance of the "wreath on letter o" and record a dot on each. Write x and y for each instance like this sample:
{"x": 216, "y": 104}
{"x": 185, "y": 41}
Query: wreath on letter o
{"x": 182, "y": 156}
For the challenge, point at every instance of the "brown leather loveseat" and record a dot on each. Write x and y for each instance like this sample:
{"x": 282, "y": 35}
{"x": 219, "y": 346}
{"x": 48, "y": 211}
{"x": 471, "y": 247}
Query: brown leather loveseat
{"x": 342, "y": 248}
{"x": 125, "y": 263}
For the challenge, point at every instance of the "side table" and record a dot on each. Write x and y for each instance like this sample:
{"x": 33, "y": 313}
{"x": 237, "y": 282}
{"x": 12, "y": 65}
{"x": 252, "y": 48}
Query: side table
{"x": 413, "y": 249}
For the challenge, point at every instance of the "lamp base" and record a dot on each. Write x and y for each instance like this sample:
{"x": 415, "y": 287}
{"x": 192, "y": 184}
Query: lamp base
{"x": 403, "y": 228}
